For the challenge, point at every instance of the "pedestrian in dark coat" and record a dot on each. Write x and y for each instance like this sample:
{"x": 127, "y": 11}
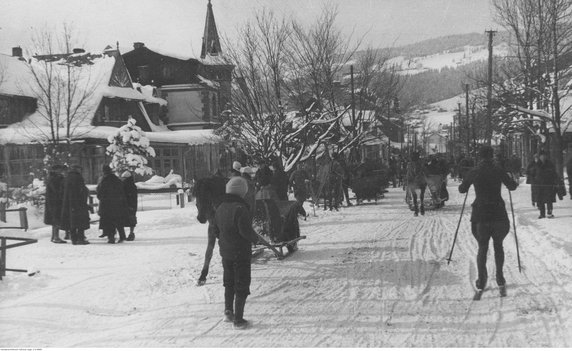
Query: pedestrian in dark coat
{"x": 569, "y": 173}
{"x": 54, "y": 198}
{"x": 530, "y": 179}
{"x": 233, "y": 227}
{"x": 489, "y": 218}
{"x": 246, "y": 173}
{"x": 112, "y": 206}
{"x": 264, "y": 182}
{"x": 131, "y": 197}
{"x": 298, "y": 181}
{"x": 75, "y": 209}
{"x": 546, "y": 179}
{"x": 279, "y": 181}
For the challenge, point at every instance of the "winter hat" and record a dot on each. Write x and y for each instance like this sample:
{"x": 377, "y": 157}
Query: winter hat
{"x": 237, "y": 186}
{"x": 486, "y": 152}
{"x": 236, "y": 166}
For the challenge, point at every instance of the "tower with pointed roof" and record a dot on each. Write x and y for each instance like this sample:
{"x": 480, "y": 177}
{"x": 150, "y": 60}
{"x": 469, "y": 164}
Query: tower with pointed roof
{"x": 216, "y": 66}
{"x": 211, "y": 42}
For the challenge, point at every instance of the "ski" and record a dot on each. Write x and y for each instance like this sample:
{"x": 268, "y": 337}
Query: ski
{"x": 502, "y": 291}
{"x": 478, "y": 294}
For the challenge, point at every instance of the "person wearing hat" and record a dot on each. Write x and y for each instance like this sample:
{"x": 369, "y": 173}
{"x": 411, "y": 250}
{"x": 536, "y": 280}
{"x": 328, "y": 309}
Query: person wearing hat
{"x": 545, "y": 178}
{"x": 233, "y": 228}
{"x": 235, "y": 171}
{"x": 489, "y": 218}
{"x": 75, "y": 210}
{"x": 53, "y": 205}
{"x": 131, "y": 196}
{"x": 112, "y": 205}
{"x": 246, "y": 173}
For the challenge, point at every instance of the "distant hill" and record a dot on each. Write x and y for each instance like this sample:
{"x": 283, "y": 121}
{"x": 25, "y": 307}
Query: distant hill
{"x": 451, "y": 43}
{"x": 435, "y": 69}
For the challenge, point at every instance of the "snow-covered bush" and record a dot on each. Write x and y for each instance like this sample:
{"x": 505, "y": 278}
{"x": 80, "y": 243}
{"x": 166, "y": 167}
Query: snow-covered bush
{"x": 129, "y": 149}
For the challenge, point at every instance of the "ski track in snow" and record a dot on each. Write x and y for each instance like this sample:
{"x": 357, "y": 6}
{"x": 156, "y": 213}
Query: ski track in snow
{"x": 367, "y": 276}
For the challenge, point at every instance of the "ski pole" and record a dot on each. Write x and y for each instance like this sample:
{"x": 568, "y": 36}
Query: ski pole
{"x": 515, "y": 237}
{"x": 458, "y": 225}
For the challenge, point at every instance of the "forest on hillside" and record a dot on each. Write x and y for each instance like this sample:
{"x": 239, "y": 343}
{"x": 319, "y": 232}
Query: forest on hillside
{"x": 436, "y": 85}
{"x": 451, "y": 43}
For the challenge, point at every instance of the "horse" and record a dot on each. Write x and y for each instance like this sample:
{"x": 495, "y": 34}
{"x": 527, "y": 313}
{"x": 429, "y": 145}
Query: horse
{"x": 416, "y": 181}
{"x": 207, "y": 192}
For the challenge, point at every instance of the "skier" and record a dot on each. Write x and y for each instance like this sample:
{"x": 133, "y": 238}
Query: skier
{"x": 489, "y": 218}
{"x": 233, "y": 228}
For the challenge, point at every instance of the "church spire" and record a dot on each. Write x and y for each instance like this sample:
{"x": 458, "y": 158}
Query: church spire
{"x": 211, "y": 43}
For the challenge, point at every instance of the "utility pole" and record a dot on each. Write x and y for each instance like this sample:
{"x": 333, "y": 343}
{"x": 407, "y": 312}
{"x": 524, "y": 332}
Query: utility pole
{"x": 468, "y": 121}
{"x": 460, "y": 126}
{"x": 489, "y": 130}
{"x": 353, "y": 96}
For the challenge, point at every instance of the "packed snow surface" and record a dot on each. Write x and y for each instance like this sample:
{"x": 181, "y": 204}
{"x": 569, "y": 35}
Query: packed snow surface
{"x": 367, "y": 276}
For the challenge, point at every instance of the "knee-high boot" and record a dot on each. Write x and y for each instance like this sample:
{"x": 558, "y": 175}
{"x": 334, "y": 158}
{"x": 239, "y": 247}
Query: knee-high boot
{"x": 239, "y": 302}
{"x": 229, "y": 299}
{"x": 56, "y": 235}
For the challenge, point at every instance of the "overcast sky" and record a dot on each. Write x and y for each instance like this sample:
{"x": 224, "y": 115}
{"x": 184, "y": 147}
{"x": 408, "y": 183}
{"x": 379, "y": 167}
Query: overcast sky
{"x": 176, "y": 26}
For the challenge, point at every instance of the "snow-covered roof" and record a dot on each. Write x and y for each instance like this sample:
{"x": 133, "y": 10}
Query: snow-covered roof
{"x": 14, "y": 76}
{"x": 184, "y": 56}
{"x": 24, "y": 134}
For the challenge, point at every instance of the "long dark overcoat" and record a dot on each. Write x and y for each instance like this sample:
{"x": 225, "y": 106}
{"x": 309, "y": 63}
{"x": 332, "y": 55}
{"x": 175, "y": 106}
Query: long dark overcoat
{"x": 75, "y": 210}
{"x": 54, "y": 197}
{"x": 545, "y": 179}
{"x": 131, "y": 198}
{"x": 112, "y": 203}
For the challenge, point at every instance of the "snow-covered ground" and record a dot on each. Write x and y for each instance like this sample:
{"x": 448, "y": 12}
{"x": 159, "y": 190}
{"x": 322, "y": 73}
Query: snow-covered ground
{"x": 366, "y": 276}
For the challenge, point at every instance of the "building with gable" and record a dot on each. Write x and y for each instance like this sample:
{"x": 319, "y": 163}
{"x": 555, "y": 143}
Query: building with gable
{"x": 175, "y": 112}
{"x": 197, "y": 90}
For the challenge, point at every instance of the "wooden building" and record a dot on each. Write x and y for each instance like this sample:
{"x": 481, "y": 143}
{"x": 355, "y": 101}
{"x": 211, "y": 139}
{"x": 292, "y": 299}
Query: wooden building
{"x": 196, "y": 90}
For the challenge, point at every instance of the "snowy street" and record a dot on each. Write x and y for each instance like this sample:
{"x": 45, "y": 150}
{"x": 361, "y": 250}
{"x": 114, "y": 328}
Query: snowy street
{"x": 367, "y": 276}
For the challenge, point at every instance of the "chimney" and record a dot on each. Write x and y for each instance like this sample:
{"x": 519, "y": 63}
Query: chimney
{"x": 17, "y": 51}
{"x": 78, "y": 51}
{"x": 138, "y": 45}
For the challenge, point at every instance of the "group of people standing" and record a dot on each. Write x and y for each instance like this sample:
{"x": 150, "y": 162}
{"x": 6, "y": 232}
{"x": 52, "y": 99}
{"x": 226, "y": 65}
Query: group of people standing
{"x": 543, "y": 179}
{"x": 67, "y": 204}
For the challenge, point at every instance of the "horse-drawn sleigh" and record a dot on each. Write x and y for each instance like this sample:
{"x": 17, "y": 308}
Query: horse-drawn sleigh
{"x": 275, "y": 222}
{"x": 422, "y": 176}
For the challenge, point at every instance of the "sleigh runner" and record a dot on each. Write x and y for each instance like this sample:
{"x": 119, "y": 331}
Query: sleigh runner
{"x": 276, "y": 223}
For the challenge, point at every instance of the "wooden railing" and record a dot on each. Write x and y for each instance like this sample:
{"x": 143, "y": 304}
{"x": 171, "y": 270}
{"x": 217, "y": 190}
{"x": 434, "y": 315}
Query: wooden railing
{"x": 4, "y": 246}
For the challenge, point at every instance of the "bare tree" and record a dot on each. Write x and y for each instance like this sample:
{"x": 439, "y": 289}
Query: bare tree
{"x": 64, "y": 84}
{"x": 542, "y": 30}
{"x": 271, "y": 71}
